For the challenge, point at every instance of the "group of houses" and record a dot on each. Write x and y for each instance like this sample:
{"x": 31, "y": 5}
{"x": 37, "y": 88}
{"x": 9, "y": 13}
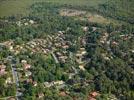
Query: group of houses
{"x": 26, "y": 69}
{"x": 54, "y": 83}
{"x": 55, "y": 44}
{"x": 60, "y": 46}
{"x": 25, "y": 22}
{"x": 80, "y": 58}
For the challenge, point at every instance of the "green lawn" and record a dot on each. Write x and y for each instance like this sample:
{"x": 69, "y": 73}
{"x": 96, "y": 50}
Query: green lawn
{"x": 13, "y": 7}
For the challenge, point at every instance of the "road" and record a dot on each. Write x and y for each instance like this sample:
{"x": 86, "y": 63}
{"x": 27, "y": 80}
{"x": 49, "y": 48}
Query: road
{"x": 2, "y": 44}
{"x": 55, "y": 58}
{"x": 15, "y": 76}
{"x": 5, "y": 98}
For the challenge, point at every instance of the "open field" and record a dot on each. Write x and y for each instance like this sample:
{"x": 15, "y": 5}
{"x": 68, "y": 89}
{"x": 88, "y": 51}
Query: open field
{"x": 13, "y": 7}
{"x": 118, "y": 10}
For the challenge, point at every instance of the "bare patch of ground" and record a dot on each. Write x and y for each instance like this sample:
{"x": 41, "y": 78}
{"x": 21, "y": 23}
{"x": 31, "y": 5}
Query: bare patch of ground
{"x": 71, "y": 12}
{"x": 88, "y": 16}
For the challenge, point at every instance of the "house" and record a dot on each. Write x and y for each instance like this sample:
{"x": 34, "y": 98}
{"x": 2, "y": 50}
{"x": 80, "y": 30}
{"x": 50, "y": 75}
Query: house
{"x": 63, "y": 57}
{"x": 8, "y": 80}
{"x": 40, "y": 95}
{"x": 29, "y": 80}
{"x": 132, "y": 51}
{"x": 94, "y": 28}
{"x": 65, "y": 47}
{"x": 19, "y": 23}
{"x": 58, "y": 82}
{"x": 94, "y": 94}
{"x": 11, "y": 48}
{"x": 61, "y": 32}
{"x": 78, "y": 55}
{"x": 58, "y": 53}
{"x": 104, "y": 38}
{"x": 31, "y": 21}
{"x": 23, "y": 61}
{"x": 81, "y": 66}
{"x": 44, "y": 51}
{"x": 62, "y": 93}
{"x": 114, "y": 43}
{"x": 2, "y": 69}
{"x": 105, "y": 56}
{"x": 85, "y": 29}
{"x": 83, "y": 52}
{"x": 28, "y": 73}
{"x": 47, "y": 84}
{"x": 27, "y": 66}
{"x": 35, "y": 83}
{"x": 26, "y": 24}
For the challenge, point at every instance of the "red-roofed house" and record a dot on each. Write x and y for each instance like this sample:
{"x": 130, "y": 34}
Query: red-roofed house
{"x": 2, "y": 69}
{"x": 27, "y": 66}
{"x": 94, "y": 94}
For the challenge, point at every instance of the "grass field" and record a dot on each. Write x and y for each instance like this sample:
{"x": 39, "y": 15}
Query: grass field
{"x": 123, "y": 8}
{"x": 13, "y": 7}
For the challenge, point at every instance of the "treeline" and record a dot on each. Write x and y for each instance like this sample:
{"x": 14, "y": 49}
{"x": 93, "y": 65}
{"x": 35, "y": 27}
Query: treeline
{"x": 120, "y": 10}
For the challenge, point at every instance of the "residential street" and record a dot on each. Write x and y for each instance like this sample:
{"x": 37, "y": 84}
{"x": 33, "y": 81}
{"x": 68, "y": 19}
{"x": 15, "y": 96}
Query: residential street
{"x": 15, "y": 77}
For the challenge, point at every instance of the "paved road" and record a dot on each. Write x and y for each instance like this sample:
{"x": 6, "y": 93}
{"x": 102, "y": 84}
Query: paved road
{"x": 55, "y": 58}
{"x": 2, "y": 44}
{"x": 5, "y": 98}
{"x": 15, "y": 78}
{"x": 15, "y": 75}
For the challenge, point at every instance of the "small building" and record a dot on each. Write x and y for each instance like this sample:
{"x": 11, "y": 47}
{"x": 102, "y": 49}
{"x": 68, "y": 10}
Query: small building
{"x": 23, "y": 61}
{"x": 29, "y": 80}
{"x": 26, "y": 24}
{"x": 65, "y": 46}
{"x": 19, "y": 23}
{"x": 62, "y": 93}
{"x": 26, "y": 66}
{"x": 114, "y": 43}
{"x": 58, "y": 53}
{"x": 35, "y": 83}
{"x": 2, "y": 69}
{"x": 40, "y": 95}
{"x": 132, "y": 51}
{"x": 47, "y": 84}
{"x": 11, "y": 48}
{"x": 58, "y": 82}
{"x": 8, "y": 80}
{"x": 85, "y": 29}
{"x": 31, "y": 22}
{"x": 81, "y": 66}
{"x": 94, "y": 94}
{"x": 28, "y": 73}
